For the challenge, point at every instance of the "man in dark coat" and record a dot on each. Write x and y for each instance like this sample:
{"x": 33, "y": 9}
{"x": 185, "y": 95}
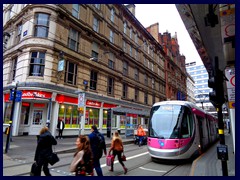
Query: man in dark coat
{"x": 97, "y": 153}
{"x": 43, "y": 151}
{"x": 60, "y": 126}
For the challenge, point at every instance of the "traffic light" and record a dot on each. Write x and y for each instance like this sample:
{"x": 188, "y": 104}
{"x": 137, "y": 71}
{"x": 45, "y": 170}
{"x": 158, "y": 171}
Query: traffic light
{"x": 81, "y": 110}
{"x": 216, "y": 97}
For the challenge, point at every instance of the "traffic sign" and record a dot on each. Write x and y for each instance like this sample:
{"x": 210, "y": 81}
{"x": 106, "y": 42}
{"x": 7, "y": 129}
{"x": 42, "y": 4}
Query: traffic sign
{"x": 81, "y": 100}
{"x": 18, "y": 96}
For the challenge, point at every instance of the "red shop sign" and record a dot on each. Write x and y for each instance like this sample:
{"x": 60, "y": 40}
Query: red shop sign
{"x": 93, "y": 103}
{"x": 63, "y": 99}
{"x": 132, "y": 115}
{"x": 105, "y": 105}
{"x": 28, "y": 94}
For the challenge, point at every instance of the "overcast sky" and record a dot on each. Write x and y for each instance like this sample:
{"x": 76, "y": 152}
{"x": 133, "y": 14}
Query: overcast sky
{"x": 169, "y": 20}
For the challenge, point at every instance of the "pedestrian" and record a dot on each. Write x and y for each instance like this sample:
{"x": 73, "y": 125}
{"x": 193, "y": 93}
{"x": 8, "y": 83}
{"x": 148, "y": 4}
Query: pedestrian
{"x": 117, "y": 148}
{"x": 141, "y": 134}
{"x": 60, "y": 126}
{"x": 96, "y": 149}
{"x": 82, "y": 163}
{"x": 43, "y": 151}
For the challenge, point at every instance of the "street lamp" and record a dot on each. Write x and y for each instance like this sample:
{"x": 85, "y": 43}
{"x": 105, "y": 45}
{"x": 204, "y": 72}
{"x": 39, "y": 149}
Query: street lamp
{"x": 49, "y": 108}
{"x": 11, "y": 118}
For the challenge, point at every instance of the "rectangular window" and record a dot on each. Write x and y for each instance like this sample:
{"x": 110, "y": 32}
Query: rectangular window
{"x": 19, "y": 32}
{"x": 14, "y": 68}
{"x": 130, "y": 50}
{"x": 136, "y": 54}
{"x": 93, "y": 80}
{"x": 125, "y": 27}
{"x": 75, "y": 10}
{"x": 112, "y": 15}
{"x": 136, "y": 38}
{"x": 124, "y": 90}
{"x": 95, "y": 49}
{"x": 70, "y": 73}
{"x": 125, "y": 68}
{"x": 110, "y": 86}
{"x": 41, "y": 25}
{"x": 111, "y": 64}
{"x": 153, "y": 84}
{"x": 136, "y": 95}
{"x": 37, "y": 64}
{"x": 24, "y": 116}
{"x": 130, "y": 33}
{"x": 136, "y": 74}
{"x": 97, "y": 6}
{"x": 91, "y": 117}
{"x": 145, "y": 98}
{"x": 124, "y": 46}
{"x": 146, "y": 79}
{"x": 111, "y": 38}
{"x": 95, "y": 24}
{"x": 73, "y": 39}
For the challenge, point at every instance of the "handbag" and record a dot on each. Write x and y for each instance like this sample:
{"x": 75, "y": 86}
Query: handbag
{"x": 53, "y": 158}
{"x": 109, "y": 159}
{"x": 33, "y": 169}
{"x": 123, "y": 157}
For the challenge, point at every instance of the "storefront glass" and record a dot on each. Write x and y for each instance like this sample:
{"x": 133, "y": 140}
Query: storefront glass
{"x": 91, "y": 117}
{"x": 69, "y": 115}
{"x": 122, "y": 121}
{"x": 7, "y": 113}
{"x": 24, "y": 119}
{"x": 104, "y": 118}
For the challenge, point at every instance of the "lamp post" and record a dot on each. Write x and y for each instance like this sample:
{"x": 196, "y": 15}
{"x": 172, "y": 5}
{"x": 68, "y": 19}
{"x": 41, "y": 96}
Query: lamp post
{"x": 11, "y": 119}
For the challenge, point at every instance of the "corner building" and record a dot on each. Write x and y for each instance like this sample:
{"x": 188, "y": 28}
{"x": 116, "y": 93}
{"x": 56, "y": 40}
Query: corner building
{"x": 55, "y": 51}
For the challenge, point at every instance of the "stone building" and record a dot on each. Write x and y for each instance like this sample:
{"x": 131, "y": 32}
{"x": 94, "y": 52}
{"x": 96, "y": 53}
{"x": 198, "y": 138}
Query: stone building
{"x": 58, "y": 52}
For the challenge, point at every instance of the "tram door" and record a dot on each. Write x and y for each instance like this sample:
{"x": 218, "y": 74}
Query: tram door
{"x": 200, "y": 126}
{"x": 38, "y": 116}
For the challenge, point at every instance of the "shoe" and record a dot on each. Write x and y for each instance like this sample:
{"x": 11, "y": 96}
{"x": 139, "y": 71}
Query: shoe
{"x": 111, "y": 170}
{"x": 125, "y": 170}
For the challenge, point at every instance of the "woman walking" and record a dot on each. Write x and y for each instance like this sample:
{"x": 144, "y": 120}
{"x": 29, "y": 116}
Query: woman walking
{"x": 43, "y": 151}
{"x": 117, "y": 148}
{"x": 82, "y": 163}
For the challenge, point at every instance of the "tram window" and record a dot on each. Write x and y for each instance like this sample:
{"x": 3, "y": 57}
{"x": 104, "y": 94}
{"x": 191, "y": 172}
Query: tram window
{"x": 186, "y": 125}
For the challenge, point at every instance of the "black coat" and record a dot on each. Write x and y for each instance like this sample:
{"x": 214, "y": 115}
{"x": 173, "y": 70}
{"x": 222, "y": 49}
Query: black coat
{"x": 44, "y": 146}
{"x": 63, "y": 125}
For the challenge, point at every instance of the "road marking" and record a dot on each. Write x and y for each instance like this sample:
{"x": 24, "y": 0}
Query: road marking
{"x": 152, "y": 170}
{"x": 128, "y": 158}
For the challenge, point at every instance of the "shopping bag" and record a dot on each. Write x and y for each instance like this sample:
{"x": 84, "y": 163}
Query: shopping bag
{"x": 33, "y": 169}
{"x": 109, "y": 159}
{"x": 53, "y": 158}
{"x": 123, "y": 157}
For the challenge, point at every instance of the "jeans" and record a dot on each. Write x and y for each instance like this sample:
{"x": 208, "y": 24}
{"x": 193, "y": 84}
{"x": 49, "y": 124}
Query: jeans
{"x": 97, "y": 167}
{"x": 140, "y": 139}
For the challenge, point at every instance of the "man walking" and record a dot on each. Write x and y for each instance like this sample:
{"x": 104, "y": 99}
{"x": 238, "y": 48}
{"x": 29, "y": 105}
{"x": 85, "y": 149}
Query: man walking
{"x": 60, "y": 126}
{"x": 98, "y": 146}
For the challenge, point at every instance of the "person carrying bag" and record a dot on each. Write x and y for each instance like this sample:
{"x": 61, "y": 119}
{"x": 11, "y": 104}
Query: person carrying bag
{"x": 117, "y": 148}
{"x": 43, "y": 151}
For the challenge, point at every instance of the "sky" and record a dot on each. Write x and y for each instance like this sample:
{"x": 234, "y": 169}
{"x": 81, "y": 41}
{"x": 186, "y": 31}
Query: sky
{"x": 169, "y": 20}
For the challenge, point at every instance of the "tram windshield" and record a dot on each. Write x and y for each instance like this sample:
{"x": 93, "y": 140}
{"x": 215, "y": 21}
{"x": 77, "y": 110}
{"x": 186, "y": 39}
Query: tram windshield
{"x": 165, "y": 121}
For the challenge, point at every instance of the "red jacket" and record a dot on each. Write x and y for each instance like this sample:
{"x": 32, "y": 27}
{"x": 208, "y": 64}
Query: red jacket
{"x": 141, "y": 132}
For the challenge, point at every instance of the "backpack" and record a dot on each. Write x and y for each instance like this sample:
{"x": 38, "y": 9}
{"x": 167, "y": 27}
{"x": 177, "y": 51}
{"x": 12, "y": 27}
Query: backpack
{"x": 100, "y": 145}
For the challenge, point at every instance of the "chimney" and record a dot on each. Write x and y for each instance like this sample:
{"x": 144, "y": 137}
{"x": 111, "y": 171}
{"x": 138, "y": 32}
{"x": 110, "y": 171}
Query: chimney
{"x": 131, "y": 8}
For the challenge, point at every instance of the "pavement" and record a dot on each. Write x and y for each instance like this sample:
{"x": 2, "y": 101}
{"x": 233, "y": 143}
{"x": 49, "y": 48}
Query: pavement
{"x": 22, "y": 148}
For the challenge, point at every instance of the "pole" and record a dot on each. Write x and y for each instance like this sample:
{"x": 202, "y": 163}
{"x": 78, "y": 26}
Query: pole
{"x": 49, "y": 112}
{"x": 222, "y": 138}
{"x": 202, "y": 105}
{"x": 11, "y": 119}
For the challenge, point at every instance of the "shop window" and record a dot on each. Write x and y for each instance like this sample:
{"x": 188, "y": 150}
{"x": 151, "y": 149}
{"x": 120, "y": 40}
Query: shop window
{"x": 24, "y": 119}
{"x": 104, "y": 118}
{"x": 122, "y": 122}
{"x": 91, "y": 117}
{"x": 7, "y": 113}
{"x": 69, "y": 115}
{"x": 37, "y": 117}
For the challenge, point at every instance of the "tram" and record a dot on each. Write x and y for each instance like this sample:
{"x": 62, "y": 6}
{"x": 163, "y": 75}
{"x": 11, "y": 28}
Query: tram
{"x": 179, "y": 130}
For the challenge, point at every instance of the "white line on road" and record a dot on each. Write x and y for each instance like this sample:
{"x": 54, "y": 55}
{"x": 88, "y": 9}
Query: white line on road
{"x": 128, "y": 158}
{"x": 152, "y": 170}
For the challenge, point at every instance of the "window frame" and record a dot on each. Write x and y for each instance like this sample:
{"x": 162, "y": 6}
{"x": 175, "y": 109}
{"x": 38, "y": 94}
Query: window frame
{"x": 37, "y": 33}
{"x": 93, "y": 80}
{"x": 68, "y": 73}
{"x": 33, "y": 65}
{"x": 110, "y": 86}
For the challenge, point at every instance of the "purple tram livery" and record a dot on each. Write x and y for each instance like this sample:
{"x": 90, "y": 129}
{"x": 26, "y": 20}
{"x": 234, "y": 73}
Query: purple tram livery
{"x": 179, "y": 130}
